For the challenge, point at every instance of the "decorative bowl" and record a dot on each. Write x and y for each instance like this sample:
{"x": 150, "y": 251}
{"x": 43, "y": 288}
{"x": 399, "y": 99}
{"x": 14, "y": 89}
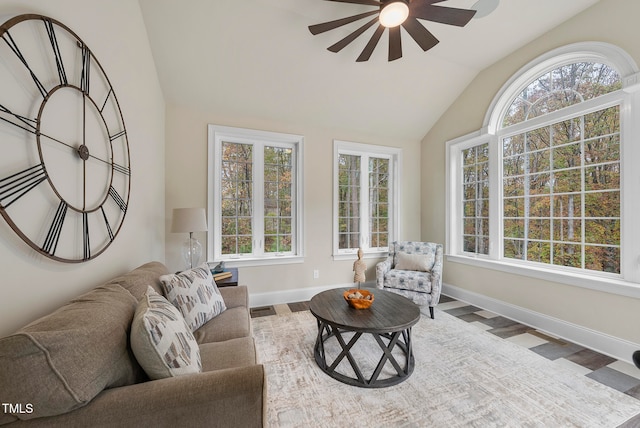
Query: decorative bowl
{"x": 362, "y": 303}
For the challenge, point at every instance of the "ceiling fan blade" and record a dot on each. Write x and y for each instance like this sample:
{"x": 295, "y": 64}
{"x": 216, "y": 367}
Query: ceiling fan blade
{"x": 421, "y": 35}
{"x": 368, "y": 50}
{"x": 351, "y": 37}
{"x": 395, "y": 45}
{"x": 445, "y": 15}
{"x": 331, "y": 25}
{"x": 365, "y": 2}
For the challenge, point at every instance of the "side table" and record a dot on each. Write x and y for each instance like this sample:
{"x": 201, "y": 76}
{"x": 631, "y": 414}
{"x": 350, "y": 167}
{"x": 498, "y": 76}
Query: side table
{"x": 229, "y": 282}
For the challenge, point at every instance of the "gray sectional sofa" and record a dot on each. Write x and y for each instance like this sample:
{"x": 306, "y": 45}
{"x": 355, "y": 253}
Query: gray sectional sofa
{"x": 75, "y": 367}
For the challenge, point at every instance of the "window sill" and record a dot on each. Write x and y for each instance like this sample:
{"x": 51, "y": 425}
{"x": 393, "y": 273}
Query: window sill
{"x": 603, "y": 284}
{"x": 354, "y": 255}
{"x": 259, "y": 261}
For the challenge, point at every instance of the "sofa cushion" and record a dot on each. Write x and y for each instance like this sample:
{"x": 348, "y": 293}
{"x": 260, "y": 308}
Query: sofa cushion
{"x": 228, "y": 354}
{"x": 195, "y": 294}
{"x": 60, "y": 362}
{"x": 230, "y": 324}
{"x": 137, "y": 281}
{"x": 161, "y": 339}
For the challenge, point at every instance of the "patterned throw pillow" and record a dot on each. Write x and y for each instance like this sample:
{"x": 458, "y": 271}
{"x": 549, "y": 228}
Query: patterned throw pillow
{"x": 417, "y": 262}
{"x": 161, "y": 340}
{"x": 195, "y": 294}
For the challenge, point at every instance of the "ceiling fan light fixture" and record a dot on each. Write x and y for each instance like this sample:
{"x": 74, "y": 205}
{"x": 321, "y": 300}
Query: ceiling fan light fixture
{"x": 394, "y": 13}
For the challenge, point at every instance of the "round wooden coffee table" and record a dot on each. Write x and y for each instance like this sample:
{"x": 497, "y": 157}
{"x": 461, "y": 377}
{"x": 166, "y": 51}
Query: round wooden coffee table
{"x": 388, "y": 320}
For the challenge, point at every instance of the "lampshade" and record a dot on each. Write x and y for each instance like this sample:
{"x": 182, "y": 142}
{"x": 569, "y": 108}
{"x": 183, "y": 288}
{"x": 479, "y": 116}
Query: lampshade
{"x": 188, "y": 220}
{"x": 394, "y": 13}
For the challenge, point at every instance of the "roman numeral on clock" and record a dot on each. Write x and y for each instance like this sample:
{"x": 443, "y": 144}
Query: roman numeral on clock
{"x": 56, "y": 51}
{"x": 85, "y": 237}
{"x": 86, "y": 69}
{"x": 19, "y": 121}
{"x": 53, "y": 236}
{"x": 106, "y": 222}
{"x": 19, "y": 184}
{"x": 121, "y": 169}
{"x": 118, "y": 199}
{"x": 14, "y": 47}
{"x": 104, "y": 104}
{"x": 117, "y": 135}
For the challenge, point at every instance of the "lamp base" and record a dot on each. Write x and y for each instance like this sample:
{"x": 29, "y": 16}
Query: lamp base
{"x": 191, "y": 252}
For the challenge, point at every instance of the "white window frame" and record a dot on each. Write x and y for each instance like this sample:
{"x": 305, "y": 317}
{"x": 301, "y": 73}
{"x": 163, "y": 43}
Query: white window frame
{"x": 395, "y": 165}
{"x": 216, "y": 136}
{"x": 626, "y": 283}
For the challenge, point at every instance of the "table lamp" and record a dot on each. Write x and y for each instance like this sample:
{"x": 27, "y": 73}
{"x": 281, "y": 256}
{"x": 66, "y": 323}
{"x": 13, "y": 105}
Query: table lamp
{"x": 190, "y": 220}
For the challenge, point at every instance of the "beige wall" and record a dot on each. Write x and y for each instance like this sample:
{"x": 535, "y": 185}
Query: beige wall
{"x": 612, "y": 21}
{"x": 186, "y": 186}
{"x": 32, "y": 285}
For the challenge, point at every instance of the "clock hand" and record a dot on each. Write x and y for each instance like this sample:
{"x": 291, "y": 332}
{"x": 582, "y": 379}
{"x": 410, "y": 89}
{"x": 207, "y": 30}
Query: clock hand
{"x": 80, "y": 153}
{"x": 29, "y": 125}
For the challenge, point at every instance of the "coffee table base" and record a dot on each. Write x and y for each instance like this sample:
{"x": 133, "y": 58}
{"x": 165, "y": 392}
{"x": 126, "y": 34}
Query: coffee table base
{"x": 401, "y": 339}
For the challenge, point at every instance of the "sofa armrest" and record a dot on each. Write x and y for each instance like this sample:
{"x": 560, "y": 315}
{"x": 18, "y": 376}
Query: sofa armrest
{"x": 221, "y": 398}
{"x": 382, "y": 268}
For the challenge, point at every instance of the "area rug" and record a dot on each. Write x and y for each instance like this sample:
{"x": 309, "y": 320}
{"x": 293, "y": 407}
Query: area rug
{"x": 463, "y": 377}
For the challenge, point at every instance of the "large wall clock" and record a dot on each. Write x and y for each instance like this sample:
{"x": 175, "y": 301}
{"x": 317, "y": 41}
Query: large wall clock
{"x": 64, "y": 151}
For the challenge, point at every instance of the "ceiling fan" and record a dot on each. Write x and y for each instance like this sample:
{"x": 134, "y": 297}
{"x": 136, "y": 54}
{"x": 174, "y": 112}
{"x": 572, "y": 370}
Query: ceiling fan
{"x": 393, "y": 14}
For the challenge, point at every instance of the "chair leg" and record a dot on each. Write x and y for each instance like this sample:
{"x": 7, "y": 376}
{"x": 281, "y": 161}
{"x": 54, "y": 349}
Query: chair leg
{"x": 431, "y": 312}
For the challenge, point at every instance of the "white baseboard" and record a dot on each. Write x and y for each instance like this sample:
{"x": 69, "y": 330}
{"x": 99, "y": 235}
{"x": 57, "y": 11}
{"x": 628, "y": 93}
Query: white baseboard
{"x": 297, "y": 295}
{"x": 606, "y": 344}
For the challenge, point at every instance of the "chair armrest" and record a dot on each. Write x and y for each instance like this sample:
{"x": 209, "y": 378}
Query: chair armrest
{"x": 221, "y": 398}
{"x": 436, "y": 277}
{"x": 382, "y": 268}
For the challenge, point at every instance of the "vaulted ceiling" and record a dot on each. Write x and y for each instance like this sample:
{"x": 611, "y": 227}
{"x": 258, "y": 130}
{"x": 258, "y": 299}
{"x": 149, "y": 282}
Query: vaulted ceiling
{"x": 256, "y": 59}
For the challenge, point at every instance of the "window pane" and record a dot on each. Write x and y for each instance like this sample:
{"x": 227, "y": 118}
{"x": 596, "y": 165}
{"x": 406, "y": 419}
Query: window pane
{"x": 602, "y": 204}
{"x": 602, "y": 231}
{"x": 378, "y": 199}
{"x": 562, "y": 87}
{"x": 475, "y": 182}
{"x": 567, "y": 205}
{"x": 278, "y": 195}
{"x": 513, "y": 248}
{"x": 567, "y": 255}
{"x": 514, "y": 228}
{"x": 237, "y": 185}
{"x": 349, "y": 201}
{"x": 603, "y": 259}
{"x": 539, "y": 251}
{"x": 567, "y": 230}
{"x": 514, "y": 207}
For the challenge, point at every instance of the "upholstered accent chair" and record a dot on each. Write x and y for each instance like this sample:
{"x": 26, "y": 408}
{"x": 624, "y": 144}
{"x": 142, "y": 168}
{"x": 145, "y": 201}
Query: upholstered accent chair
{"x": 413, "y": 270}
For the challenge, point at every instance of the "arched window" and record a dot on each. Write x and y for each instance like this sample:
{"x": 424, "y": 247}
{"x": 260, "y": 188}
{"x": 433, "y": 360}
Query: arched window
{"x": 542, "y": 188}
{"x": 562, "y": 87}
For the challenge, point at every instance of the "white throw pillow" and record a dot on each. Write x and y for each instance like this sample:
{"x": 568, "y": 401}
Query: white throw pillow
{"x": 195, "y": 294}
{"x": 161, "y": 340}
{"x": 418, "y": 262}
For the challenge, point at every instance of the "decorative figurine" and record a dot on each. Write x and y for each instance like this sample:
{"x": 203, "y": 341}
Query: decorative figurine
{"x": 359, "y": 266}
{"x": 219, "y": 268}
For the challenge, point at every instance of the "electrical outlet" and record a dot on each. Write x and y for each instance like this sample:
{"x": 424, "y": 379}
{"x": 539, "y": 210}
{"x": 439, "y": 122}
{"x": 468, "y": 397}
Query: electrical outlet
{"x": 316, "y": 274}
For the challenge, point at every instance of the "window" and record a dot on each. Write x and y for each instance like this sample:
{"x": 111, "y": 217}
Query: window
{"x": 475, "y": 199}
{"x": 366, "y": 198}
{"x": 561, "y": 192}
{"x": 255, "y": 202}
{"x": 541, "y": 191}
